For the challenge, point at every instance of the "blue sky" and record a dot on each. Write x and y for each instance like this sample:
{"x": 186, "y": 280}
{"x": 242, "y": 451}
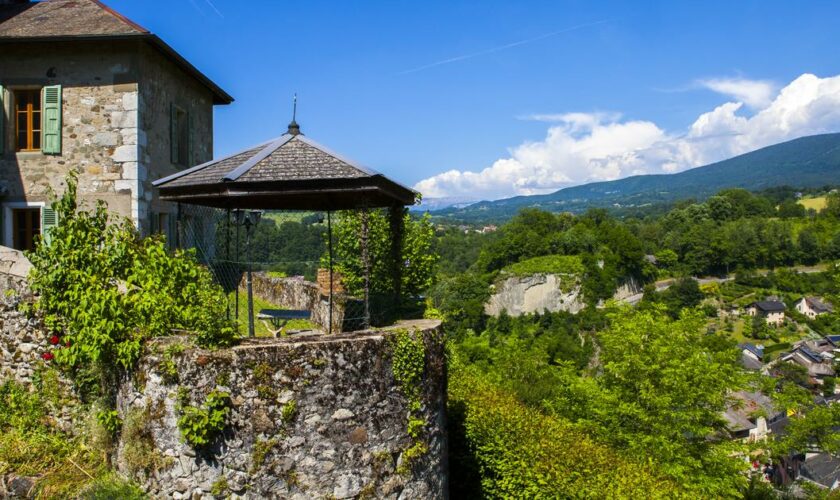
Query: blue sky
{"x": 368, "y": 85}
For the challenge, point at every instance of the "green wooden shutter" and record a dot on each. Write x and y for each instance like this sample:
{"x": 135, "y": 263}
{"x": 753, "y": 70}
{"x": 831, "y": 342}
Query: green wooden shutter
{"x": 51, "y": 114}
{"x": 154, "y": 223}
{"x": 2, "y": 120}
{"x": 49, "y": 219}
{"x": 173, "y": 133}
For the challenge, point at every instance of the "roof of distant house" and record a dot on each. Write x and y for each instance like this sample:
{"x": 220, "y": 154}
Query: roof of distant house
{"x": 768, "y": 305}
{"x": 291, "y": 172}
{"x": 822, "y": 468}
{"x": 750, "y": 363}
{"x": 818, "y": 305}
{"x": 85, "y": 20}
{"x": 740, "y": 414}
{"x": 758, "y": 350}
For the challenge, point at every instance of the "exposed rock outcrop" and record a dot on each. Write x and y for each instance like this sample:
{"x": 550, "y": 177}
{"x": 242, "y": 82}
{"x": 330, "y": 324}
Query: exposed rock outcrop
{"x": 540, "y": 292}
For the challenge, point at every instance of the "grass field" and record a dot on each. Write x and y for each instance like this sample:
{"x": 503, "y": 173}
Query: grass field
{"x": 817, "y": 203}
{"x": 263, "y": 328}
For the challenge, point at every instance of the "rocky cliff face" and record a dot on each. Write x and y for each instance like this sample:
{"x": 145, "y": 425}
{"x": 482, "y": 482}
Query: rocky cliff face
{"x": 537, "y": 293}
{"x": 311, "y": 417}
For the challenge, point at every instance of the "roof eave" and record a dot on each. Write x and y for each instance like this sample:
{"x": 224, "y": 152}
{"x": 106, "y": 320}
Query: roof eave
{"x": 219, "y": 95}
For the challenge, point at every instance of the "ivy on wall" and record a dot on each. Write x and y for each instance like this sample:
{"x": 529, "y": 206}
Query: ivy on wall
{"x": 409, "y": 366}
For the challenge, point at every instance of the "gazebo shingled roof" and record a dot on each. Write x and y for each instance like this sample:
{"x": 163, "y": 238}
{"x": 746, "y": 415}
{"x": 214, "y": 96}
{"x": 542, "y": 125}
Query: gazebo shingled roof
{"x": 291, "y": 172}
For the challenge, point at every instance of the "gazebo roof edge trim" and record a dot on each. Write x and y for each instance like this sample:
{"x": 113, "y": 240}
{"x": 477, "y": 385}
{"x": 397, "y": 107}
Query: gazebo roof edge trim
{"x": 178, "y": 175}
{"x": 354, "y": 164}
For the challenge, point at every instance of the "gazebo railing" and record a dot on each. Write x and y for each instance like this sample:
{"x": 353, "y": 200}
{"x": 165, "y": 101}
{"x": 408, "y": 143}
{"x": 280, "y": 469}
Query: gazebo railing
{"x": 222, "y": 246}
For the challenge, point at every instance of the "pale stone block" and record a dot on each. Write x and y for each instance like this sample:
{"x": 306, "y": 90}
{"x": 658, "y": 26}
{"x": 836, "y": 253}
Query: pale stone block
{"x": 125, "y": 154}
{"x": 106, "y": 139}
{"x": 129, "y": 170}
{"x": 129, "y": 101}
{"x": 124, "y": 186}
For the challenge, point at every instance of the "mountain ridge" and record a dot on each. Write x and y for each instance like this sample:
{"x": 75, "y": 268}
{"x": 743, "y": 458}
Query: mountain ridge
{"x": 806, "y": 162}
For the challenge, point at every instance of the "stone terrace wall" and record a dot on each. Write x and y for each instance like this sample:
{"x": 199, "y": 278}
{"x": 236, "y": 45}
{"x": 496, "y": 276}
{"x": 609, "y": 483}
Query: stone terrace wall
{"x": 24, "y": 339}
{"x": 296, "y": 293}
{"x": 344, "y": 439}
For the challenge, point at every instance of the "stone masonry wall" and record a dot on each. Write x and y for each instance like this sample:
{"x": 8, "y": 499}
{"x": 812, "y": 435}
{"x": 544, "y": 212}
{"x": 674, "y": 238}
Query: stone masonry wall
{"x": 115, "y": 132}
{"x": 313, "y": 417}
{"x": 23, "y": 338}
{"x": 170, "y": 85}
{"x": 99, "y": 130}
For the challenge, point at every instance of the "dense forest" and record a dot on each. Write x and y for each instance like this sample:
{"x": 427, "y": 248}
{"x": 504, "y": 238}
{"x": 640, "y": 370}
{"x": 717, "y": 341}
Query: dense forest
{"x": 620, "y": 401}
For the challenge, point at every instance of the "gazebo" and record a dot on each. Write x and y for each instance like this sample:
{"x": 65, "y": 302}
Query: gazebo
{"x": 293, "y": 172}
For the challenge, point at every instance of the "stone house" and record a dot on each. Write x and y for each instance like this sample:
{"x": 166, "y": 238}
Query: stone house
{"x": 84, "y": 89}
{"x": 772, "y": 311}
{"x": 812, "y": 307}
{"x": 817, "y": 356}
{"x": 750, "y": 415}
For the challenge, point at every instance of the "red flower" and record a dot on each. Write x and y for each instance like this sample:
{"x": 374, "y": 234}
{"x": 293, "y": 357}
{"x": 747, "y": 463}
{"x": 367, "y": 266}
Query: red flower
{"x": 47, "y": 356}
{"x": 54, "y": 340}
{"x": 67, "y": 344}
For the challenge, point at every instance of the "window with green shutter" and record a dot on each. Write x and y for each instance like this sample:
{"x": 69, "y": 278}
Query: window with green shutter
{"x": 51, "y": 130}
{"x": 49, "y": 219}
{"x": 179, "y": 136}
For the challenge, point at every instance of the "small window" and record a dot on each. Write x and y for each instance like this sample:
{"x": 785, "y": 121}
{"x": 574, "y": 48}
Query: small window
{"x": 26, "y": 228}
{"x": 180, "y": 136}
{"x": 28, "y": 119}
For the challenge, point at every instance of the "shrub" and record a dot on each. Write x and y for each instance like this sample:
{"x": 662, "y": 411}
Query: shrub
{"x": 523, "y": 453}
{"x": 104, "y": 290}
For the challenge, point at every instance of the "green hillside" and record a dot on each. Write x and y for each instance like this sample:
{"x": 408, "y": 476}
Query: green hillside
{"x": 812, "y": 161}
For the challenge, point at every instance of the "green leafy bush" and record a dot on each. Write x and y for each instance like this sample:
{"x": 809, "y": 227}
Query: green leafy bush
{"x": 522, "y": 453}
{"x": 104, "y": 290}
{"x": 417, "y": 259}
{"x": 199, "y": 426}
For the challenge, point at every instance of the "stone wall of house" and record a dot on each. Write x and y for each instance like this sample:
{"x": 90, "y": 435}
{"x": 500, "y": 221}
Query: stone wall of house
{"x": 169, "y": 86}
{"x": 99, "y": 127}
{"x": 540, "y": 292}
{"x": 312, "y": 417}
{"x": 297, "y": 293}
{"x": 115, "y": 130}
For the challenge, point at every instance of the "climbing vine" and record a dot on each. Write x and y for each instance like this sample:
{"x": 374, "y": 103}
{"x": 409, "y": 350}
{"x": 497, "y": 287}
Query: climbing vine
{"x": 408, "y": 366}
{"x": 201, "y": 425}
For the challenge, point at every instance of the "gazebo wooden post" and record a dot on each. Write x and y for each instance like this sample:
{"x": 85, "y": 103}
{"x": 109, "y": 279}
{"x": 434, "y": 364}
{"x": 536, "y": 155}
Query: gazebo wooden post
{"x": 178, "y": 227}
{"x": 227, "y": 251}
{"x": 397, "y": 223}
{"x": 236, "y": 288}
{"x": 330, "y": 253}
{"x": 366, "y": 263}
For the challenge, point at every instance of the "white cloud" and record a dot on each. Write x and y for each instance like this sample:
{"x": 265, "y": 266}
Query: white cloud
{"x": 754, "y": 93}
{"x": 586, "y": 147}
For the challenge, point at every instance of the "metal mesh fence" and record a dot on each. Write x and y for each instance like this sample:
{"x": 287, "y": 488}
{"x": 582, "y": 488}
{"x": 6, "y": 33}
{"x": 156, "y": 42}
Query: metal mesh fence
{"x": 288, "y": 255}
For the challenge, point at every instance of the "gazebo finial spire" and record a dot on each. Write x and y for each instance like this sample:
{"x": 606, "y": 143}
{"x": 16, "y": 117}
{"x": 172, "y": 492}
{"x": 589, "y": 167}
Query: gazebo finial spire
{"x": 294, "y": 128}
